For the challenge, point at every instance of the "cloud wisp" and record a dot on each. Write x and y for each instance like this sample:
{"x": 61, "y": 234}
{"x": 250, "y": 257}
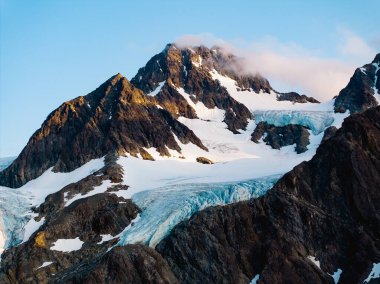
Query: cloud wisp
{"x": 291, "y": 67}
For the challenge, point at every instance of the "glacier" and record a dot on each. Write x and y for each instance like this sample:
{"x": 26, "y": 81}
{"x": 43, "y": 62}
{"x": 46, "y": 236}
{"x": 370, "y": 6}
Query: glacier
{"x": 17, "y": 222}
{"x": 316, "y": 121}
{"x": 165, "y": 207}
{"x": 5, "y": 162}
{"x": 14, "y": 214}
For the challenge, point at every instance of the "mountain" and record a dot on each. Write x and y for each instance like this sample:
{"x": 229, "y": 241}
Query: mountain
{"x": 116, "y": 117}
{"x": 193, "y": 70}
{"x": 179, "y": 175}
{"x": 319, "y": 221}
{"x": 128, "y": 117}
{"x": 321, "y": 217}
{"x": 363, "y": 89}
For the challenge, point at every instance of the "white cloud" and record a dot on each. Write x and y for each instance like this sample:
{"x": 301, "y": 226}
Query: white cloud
{"x": 352, "y": 44}
{"x": 291, "y": 67}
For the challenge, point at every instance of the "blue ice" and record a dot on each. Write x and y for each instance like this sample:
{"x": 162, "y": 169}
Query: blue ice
{"x": 316, "y": 121}
{"x": 165, "y": 207}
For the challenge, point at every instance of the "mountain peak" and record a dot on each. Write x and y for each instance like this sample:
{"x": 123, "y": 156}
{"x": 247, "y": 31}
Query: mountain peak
{"x": 376, "y": 59}
{"x": 362, "y": 89}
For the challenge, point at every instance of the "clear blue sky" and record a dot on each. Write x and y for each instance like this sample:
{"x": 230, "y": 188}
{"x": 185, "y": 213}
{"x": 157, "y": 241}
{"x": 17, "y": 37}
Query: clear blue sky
{"x": 53, "y": 51}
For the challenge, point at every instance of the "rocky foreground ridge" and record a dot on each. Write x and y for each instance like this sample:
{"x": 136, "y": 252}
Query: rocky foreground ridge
{"x": 327, "y": 209}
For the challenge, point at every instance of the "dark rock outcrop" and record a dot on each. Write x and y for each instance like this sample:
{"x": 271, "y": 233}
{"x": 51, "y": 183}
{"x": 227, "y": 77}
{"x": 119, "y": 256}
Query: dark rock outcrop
{"x": 128, "y": 264}
{"x": 189, "y": 69}
{"x": 204, "y": 160}
{"x": 327, "y": 208}
{"x": 280, "y": 136}
{"x": 86, "y": 218}
{"x": 329, "y": 132}
{"x": 296, "y": 98}
{"x": 358, "y": 95}
{"x": 116, "y": 117}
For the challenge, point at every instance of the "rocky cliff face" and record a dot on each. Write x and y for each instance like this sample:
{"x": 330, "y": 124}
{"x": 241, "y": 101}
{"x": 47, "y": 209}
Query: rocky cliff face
{"x": 362, "y": 90}
{"x": 116, "y": 117}
{"x": 189, "y": 69}
{"x": 278, "y": 137}
{"x": 84, "y": 220}
{"x": 327, "y": 209}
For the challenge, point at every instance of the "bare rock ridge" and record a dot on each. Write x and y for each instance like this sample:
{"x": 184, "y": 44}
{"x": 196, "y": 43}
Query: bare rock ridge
{"x": 116, "y": 117}
{"x": 189, "y": 69}
{"x": 359, "y": 94}
{"x": 295, "y": 97}
{"x": 327, "y": 208}
{"x": 184, "y": 68}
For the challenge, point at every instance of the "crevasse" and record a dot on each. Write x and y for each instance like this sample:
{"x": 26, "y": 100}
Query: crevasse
{"x": 14, "y": 214}
{"x": 165, "y": 207}
{"x": 316, "y": 121}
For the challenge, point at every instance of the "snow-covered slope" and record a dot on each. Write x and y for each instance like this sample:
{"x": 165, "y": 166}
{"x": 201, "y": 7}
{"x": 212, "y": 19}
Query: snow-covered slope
{"x": 17, "y": 222}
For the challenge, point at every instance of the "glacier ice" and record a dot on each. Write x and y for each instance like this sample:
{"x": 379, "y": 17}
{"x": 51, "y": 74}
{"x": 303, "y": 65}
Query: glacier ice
{"x": 14, "y": 214}
{"x": 316, "y": 121}
{"x": 5, "y": 162}
{"x": 165, "y": 207}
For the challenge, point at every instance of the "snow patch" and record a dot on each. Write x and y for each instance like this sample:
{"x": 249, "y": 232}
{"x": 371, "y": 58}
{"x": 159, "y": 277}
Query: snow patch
{"x": 262, "y": 101}
{"x": 376, "y": 91}
{"x": 336, "y": 275}
{"x": 255, "y": 279}
{"x": 46, "y": 263}
{"x": 32, "y": 226}
{"x": 105, "y": 238}
{"x": 3, "y": 237}
{"x": 315, "y": 261}
{"x": 50, "y": 182}
{"x": 157, "y": 89}
{"x": 197, "y": 63}
{"x": 374, "y": 274}
{"x": 203, "y": 112}
{"x": 67, "y": 245}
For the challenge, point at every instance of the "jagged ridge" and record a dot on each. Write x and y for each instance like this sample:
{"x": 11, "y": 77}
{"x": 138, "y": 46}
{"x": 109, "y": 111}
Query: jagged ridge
{"x": 116, "y": 117}
{"x": 359, "y": 93}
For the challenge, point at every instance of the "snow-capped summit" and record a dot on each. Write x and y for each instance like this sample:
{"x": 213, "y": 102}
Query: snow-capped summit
{"x": 363, "y": 89}
{"x": 152, "y": 112}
